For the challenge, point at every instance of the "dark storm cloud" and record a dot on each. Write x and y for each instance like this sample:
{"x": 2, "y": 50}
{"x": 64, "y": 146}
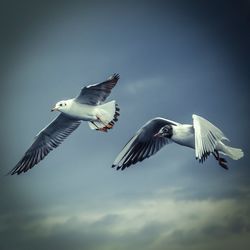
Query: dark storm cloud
{"x": 175, "y": 58}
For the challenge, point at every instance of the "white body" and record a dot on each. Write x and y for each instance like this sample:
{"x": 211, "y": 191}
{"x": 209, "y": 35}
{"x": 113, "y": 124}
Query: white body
{"x": 203, "y": 136}
{"x": 81, "y": 111}
{"x": 183, "y": 134}
{"x": 98, "y": 116}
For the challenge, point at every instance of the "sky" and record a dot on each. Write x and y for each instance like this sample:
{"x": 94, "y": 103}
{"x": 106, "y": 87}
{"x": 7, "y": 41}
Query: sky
{"x": 175, "y": 59}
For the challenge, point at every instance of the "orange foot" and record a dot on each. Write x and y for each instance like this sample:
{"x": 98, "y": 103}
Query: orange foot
{"x": 109, "y": 126}
{"x": 102, "y": 129}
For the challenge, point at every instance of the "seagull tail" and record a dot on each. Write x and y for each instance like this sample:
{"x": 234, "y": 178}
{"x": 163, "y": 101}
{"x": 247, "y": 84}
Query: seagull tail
{"x": 107, "y": 114}
{"x": 234, "y": 153}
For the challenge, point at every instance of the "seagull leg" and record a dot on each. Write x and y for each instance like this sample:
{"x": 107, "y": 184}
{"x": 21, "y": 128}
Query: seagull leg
{"x": 103, "y": 129}
{"x": 222, "y": 161}
{"x": 216, "y": 154}
{"x": 108, "y": 126}
{"x": 100, "y": 129}
{"x": 95, "y": 125}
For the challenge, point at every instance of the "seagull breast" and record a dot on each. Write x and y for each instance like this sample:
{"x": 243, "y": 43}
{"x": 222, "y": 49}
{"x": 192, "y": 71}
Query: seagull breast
{"x": 80, "y": 111}
{"x": 183, "y": 134}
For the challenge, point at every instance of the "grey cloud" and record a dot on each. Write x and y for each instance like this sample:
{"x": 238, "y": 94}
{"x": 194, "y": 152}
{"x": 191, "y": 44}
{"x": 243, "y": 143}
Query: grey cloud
{"x": 99, "y": 233}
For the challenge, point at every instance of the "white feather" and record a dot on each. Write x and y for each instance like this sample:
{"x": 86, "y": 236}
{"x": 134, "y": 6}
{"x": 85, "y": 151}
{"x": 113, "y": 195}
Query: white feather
{"x": 207, "y": 136}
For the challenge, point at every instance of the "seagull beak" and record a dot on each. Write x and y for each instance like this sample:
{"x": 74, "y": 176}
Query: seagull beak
{"x": 157, "y": 135}
{"x": 53, "y": 109}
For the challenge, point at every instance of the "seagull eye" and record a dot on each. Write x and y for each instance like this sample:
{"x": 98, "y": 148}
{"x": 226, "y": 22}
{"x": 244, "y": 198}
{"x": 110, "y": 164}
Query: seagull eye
{"x": 60, "y": 105}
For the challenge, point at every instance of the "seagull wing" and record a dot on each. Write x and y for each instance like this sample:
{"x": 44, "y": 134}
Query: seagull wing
{"x": 47, "y": 139}
{"x": 206, "y": 137}
{"x": 97, "y": 93}
{"x": 143, "y": 144}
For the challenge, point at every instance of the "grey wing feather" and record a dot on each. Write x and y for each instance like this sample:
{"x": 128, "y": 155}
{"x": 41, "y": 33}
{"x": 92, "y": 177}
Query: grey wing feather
{"x": 143, "y": 144}
{"x": 97, "y": 93}
{"x": 50, "y": 137}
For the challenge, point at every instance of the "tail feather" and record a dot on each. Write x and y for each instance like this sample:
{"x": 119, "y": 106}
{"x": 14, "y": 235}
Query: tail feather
{"x": 108, "y": 114}
{"x": 234, "y": 153}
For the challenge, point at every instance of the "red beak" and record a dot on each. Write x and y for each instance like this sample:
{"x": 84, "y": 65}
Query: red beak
{"x": 157, "y": 135}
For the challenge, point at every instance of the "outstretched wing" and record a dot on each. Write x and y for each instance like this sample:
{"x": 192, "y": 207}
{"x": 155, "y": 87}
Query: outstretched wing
{"x": 47, "y": 139}
{"x": 97, "y": 93}
{"x": 143, "y": 144}
{"x": 206, "y": 137}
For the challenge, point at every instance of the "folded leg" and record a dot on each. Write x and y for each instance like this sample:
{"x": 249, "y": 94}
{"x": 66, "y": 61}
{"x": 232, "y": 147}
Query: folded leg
{"x": 222, "y": 161}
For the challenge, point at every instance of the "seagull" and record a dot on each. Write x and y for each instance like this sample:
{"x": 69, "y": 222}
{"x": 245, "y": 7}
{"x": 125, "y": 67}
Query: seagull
{"x": 204, "y": 137}
{"x": 87, "y": 106}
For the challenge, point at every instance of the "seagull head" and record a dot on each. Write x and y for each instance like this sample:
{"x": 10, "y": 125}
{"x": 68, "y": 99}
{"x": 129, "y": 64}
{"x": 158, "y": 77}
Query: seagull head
{"x": 166, "y": 131}
{"x": 60, "y": 106}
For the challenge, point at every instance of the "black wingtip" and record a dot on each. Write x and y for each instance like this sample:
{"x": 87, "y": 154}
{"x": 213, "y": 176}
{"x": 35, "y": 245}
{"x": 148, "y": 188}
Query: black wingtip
{"x": 115, "y": 77}
{"x": 14, "y": 171}
{"x": 117, "y": 167}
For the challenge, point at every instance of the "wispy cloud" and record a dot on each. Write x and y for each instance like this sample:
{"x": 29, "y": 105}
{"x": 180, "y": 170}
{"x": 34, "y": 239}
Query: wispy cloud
{"x": 150, "y": 223}
{"x": 142, "y": 86}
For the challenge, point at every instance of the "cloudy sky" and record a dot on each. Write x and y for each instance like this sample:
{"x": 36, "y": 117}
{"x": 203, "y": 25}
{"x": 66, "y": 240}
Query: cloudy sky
{"x": 175, "y": 58}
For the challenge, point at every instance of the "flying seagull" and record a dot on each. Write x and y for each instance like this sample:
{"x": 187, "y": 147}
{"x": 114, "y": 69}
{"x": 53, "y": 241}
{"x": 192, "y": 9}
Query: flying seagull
{"x": 87, "y": 106}
{"x": 202, "y": 136}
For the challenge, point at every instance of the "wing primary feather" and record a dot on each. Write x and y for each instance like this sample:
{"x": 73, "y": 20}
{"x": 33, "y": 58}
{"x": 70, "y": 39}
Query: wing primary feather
{"x": 131, "y": 157}
{"x": 141, "y": 156}
{"x": 137, "y": 153}
{"x": 47, "y": 139}
{"x": 157, "y": 145}
{"x": 132, "y": 154}
{"x": 125, "y": 159}
{"x": 152, "y": 145}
